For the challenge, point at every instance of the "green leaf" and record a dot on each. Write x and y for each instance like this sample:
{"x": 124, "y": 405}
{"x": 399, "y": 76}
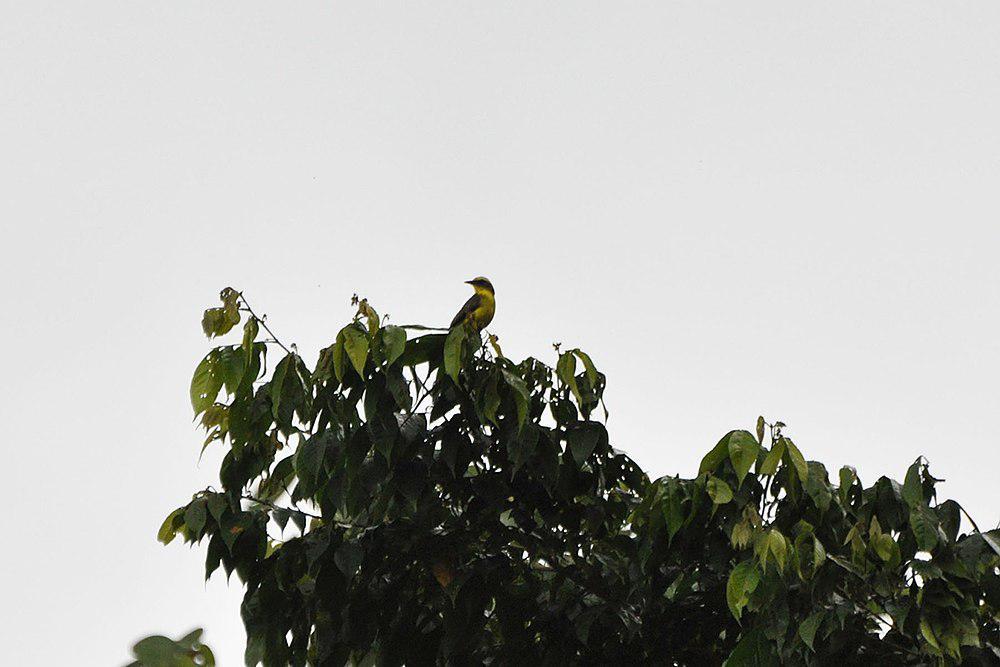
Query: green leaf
{"x": 250, "y": 331}
{"x": 394, "y": 339}
{"x": 770, "y": 464}
{"x": 309, "y": 459}
{"x": 742, "y": 583}
{"x": 168, "y": 531}
{"x": 847, "y": 478}
{"x": 808, "y": 628}
{"x": 491, "y": 399}
{"x": 521, "y": 396}
{"x": 566, "y": 372}
{"x": 159, "y": 651}
{"x": 277, "y": 382}
{"x": 719, "y": 491}
{"x": 819, "y": 554}
{"x": 743, "y": 450}
{"x": 231, "y": 365}
{"x": 453, "y": 345}
{"x": 673, "y": 512}
{"x": 817, "y": 486}
{"x": 753, "y": 650}
{"x": 423, "y": 350}
{"x": 887, "y": 549}
{"x": 808, "y": 554}
{"x": 206, "y": 382}
{"x": 913, "y": 492}
{"x": 760, "y": 430}
{"x": 714, "y": 458}
{"x": 217, "y": 506}
{"x": 348, "y": 558}
{"x": 778, "y": 547}
{"x": 218, "y": 321}
{"x": 582, "y": 439}
{"x": 195, "y": 516}
{"x": 356, "y": 346}
{"x": 337, "y": 357}
{"x": 797, "y": 460}
{"x": 588, "y": 366}
{"x": 923, "y": 523}
{"x": 928, "y": 632}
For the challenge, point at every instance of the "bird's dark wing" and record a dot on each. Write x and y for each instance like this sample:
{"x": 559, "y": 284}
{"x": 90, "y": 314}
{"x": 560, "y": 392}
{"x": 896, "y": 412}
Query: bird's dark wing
{"x": 474, "y": 301}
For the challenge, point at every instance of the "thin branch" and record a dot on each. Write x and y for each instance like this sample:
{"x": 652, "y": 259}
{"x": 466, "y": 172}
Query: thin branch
{"x": 268, "y": 503}
{"x": 263, "y": 323}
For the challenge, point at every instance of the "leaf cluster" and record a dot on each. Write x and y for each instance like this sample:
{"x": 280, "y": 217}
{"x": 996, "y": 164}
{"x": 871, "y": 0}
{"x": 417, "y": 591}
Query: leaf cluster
{"x": 427, "y": 500}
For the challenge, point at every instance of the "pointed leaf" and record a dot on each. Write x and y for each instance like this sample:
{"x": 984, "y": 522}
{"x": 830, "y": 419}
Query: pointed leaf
{"x": 348, "y": 558}
{"x": 773, "y": 458}
{"x": 808, "y": 628}
{"x": 453, "y": 346}
{"x": 356, "y": 347}
{"x": 923, "y": 523}
{"x": 743, "y": 450}
{"x": 742, "y": 583}
{"x": 719, "y": 491}
{"x": 582, "y": 438}
{"x": 797, "y": 460}
{"x": 394, "y": 339}
{"x": 913, "y": 492}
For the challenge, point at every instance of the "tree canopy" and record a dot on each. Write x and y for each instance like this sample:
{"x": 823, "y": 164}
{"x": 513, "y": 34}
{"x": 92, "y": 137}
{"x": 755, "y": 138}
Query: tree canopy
{"x": 423, "y": 499}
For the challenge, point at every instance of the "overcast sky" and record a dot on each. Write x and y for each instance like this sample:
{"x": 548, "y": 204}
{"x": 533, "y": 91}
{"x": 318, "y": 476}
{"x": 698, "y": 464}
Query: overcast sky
{"x": 741, "y": 208}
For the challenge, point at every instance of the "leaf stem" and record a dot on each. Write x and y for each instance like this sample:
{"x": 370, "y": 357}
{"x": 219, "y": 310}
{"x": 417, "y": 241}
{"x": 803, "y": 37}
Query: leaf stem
{"x": 263, "y": 323}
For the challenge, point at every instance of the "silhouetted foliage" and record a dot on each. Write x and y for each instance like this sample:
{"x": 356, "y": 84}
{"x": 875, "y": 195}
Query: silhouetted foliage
{"x": 427, "y": 500}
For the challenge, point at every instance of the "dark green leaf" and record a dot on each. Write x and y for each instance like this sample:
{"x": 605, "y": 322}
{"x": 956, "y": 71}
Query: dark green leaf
{"x": 278, "y": 381}
{"x": 719, "y": 491}
{"x": 912, "y": 489}
{"x": 348, "y": 558}
{"x": 195, "y": 516}
{"x": 797, "y": 460}
{"x": 566, "y": 372}
{"x": 808, "y": 627}
{"x": 453, "y": 346}
{"x": 743, "y": 449}
{"x": 310, "y": 456}
{"x": 394, "y": 339}
{"x": 714, "y": 458}
{"x": 582, "y": 438}
{"x": 923, "y": 523}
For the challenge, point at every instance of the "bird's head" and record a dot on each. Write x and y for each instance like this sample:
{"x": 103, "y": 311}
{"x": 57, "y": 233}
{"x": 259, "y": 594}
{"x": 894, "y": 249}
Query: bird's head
{"x": 481, "y": 284}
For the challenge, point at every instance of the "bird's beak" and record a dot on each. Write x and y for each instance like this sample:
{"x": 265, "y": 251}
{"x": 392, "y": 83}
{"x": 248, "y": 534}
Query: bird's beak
{"x": 469, "y": 282}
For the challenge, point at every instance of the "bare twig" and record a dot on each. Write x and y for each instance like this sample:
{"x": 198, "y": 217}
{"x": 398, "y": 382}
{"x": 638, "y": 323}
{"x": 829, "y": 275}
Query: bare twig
{"x": 263, "y": 323}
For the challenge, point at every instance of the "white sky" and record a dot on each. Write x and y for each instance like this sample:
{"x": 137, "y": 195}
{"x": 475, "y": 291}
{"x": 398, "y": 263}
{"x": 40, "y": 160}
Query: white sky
{"x": 787, "y": 208}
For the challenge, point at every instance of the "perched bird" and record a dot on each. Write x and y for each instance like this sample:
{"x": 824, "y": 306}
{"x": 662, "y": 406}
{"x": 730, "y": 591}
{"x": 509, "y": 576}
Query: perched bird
{"x": 479, "y": 309}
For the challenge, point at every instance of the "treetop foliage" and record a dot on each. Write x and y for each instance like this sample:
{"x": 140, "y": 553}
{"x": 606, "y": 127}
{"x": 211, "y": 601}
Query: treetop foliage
{"x": 425, "y": 500}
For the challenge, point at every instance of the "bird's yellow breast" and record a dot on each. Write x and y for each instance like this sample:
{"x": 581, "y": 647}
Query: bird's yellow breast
{"x": 483, "y": 314}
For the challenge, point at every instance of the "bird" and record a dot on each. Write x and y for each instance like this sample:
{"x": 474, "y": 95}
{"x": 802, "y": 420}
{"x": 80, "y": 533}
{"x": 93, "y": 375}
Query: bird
{"x": 479, "y": 309}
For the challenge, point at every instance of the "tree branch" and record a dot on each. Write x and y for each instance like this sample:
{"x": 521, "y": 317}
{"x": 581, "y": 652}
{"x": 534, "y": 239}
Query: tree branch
{"x": 263, "y": 323}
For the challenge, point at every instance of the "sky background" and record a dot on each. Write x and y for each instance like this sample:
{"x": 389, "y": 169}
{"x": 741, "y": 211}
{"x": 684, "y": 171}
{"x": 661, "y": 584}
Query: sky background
{"x": 777, "y": 208}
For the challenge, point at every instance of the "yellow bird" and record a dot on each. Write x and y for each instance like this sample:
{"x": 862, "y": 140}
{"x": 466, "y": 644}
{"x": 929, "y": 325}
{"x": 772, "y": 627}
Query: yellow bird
{"x": 480, "y": 307}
